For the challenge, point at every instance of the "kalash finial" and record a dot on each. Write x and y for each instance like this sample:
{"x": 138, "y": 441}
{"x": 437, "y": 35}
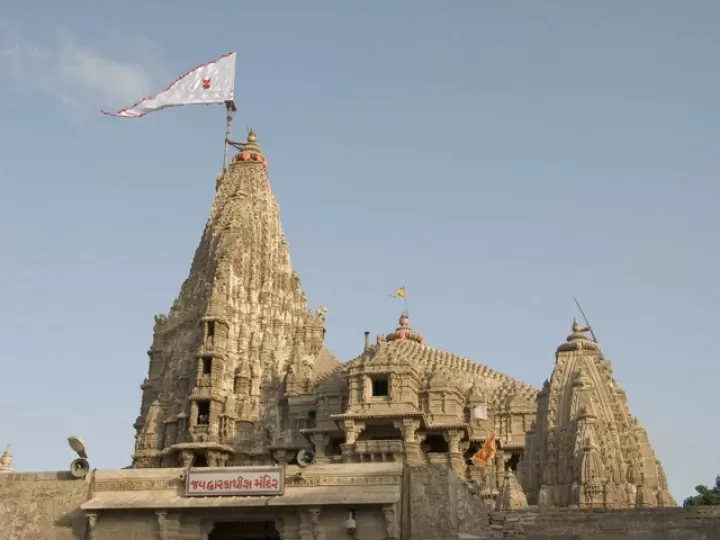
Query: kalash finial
{"x": 578, "y": 331}
{"x": 250, "y": 150}
{"x": 404, "y": 332}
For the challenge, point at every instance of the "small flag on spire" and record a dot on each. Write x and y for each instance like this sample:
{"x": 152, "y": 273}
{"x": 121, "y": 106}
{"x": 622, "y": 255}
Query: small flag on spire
{"x": 208, "y": 84}
{"x": 400, "y": 293}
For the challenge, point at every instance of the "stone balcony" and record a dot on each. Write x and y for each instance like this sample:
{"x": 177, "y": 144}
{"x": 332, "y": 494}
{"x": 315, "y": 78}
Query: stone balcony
{"x": 382, "y": 450}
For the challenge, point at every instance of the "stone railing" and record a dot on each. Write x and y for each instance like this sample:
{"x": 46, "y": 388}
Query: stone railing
{"x": 379, "y": 450}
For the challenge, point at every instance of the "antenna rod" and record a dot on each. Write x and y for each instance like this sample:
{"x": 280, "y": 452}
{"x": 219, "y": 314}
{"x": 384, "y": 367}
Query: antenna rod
{"x": 592, "y": 333}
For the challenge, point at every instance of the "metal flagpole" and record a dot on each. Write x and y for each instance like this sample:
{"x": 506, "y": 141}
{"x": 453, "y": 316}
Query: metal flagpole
{"x": 229, "y": 109}
{"x": 587, "y": 323}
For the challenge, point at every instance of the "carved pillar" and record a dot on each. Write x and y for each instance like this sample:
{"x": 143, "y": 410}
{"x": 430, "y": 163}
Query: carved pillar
{"x": 162, "y": 524}
{"x": 320, "y": 441}
{"x": 187, "y": 459}
{"x": 390, "y": 521}
{"x": 411, "y": 442}
{"x": 352, "y": 431}
{"x": 172, "y": 527}
{"x": 91, "y": 523}
{"x": 452, "y": 437}
{"x": 318, "y": 531}
{"x": 499, "y": 469}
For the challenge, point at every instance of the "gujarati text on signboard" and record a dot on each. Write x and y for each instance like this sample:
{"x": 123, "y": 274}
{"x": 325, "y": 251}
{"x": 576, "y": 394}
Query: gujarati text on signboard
{"x": 236, "y": 481}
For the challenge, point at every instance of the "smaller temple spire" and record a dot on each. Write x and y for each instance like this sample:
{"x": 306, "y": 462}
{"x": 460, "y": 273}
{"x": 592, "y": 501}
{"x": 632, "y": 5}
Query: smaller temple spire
{"x": 6, "y": 460}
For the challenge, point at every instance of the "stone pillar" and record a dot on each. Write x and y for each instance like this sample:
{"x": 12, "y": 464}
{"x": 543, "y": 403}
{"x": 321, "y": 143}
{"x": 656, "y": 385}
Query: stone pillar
{"x": 352, "y": 431}
{"x": 411, "y": 442}
{"x": 457, "y": 464}
{"x": 91, "y": 523}
{"x": 320, "y": 441}
{"x": 390, "y": 521}
{"x": 187, "y": 458}
{"x": 310, "y": 526}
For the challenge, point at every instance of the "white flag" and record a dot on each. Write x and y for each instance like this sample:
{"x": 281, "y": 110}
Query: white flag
{"x": 208, "y": 84}
{"x": 480, "y": 412}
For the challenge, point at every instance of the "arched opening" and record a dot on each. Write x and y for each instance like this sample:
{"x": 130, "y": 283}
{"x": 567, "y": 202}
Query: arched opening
{"x": 244, "y": 530}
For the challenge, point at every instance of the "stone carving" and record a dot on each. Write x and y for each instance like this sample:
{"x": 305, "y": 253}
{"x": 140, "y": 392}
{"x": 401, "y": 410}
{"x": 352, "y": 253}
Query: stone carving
{"x": 587, "y": 403}
{"x": 6, "y": 460}
{"x": 389, "y": 515}
{"x": 321, "y": 313}
{"x": 91, "y": 524}
{"x": 511, "y": 495}
{"x": 162, "y": 524}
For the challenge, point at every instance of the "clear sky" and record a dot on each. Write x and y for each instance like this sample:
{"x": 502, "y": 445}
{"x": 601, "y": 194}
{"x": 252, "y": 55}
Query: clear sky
{"x": 497, "y": 158}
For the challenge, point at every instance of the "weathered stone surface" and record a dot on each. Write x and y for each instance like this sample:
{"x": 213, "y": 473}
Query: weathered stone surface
{"x": 42, "y": 506}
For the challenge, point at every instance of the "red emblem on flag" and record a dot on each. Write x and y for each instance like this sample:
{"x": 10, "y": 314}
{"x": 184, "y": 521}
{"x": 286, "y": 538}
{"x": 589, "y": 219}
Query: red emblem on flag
{"x": 206, "y": 84}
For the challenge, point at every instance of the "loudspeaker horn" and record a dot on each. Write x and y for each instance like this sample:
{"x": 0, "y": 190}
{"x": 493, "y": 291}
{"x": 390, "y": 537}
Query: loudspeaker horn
{"x": 305, "y": 457}
{"x": 79, "y": 468}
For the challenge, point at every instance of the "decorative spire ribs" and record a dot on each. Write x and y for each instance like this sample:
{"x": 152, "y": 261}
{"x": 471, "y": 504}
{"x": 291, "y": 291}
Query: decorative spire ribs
{"x": 585, "y": 449}
{"x": 241, "y": 318}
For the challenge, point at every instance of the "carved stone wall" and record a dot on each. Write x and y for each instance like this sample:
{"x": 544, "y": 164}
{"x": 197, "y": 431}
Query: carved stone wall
{"x": 647, "y": 524}
{"x": 440, "y": 505}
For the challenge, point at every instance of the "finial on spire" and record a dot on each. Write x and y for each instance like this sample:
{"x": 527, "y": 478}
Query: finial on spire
{"x": 404, "y": 332}
{"x": 249, "y": 150}
{"x": 6, "y": 460}
{"x": 578, "y": 331}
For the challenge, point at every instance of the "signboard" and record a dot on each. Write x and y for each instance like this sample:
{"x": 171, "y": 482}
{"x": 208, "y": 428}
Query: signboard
{"x": 236, "y": 481}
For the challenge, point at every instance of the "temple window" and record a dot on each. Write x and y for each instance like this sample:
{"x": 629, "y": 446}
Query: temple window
{"x": 211, "y": 329}
{"x": 380, "y": 386}
{"x": 203, "y": 417}
{"x": 206, "y": 365}
{"x": 312, "y": 418}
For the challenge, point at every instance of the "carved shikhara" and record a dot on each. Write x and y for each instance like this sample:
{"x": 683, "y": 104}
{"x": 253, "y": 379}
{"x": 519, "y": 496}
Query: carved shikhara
{"x": 239, "y": 374}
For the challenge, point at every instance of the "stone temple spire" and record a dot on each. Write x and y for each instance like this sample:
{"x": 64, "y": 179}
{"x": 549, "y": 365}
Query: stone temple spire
{"x": 218, "y": 358}
{"x": 6, "y": 460}
{"x": 585, "y": 449}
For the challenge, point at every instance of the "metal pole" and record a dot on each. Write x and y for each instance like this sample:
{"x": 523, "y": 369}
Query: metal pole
{"x": 587, "y": 323}
{"x": 229, "y": 109}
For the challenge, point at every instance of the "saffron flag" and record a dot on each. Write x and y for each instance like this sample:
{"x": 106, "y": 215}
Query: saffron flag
{"x": 487, "y": 453}
{"x": 208, "y": 84}
{"x": 400, "y": 293}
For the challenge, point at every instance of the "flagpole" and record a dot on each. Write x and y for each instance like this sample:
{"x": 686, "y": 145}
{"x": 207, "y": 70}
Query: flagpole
{"x": 229, "y": 109}
{"x": 587, "y": 323}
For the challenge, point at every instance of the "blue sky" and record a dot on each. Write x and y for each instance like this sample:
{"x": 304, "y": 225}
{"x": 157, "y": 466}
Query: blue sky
{"x": 497, "y": 158}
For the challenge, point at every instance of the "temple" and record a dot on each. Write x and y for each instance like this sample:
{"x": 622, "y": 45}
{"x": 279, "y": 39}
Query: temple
{"x": 250, "y": 428}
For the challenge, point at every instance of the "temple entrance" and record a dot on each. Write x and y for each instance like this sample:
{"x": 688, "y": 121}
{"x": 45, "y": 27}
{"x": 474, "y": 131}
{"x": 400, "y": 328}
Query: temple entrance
{"x": 244, "y": 530}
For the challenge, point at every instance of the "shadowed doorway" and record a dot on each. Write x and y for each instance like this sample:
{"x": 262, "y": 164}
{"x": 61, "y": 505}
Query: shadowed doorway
{"x": 244, "y": 530}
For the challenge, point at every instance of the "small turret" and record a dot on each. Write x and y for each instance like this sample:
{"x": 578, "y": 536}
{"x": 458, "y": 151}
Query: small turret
{"x": 6, "y": 460}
